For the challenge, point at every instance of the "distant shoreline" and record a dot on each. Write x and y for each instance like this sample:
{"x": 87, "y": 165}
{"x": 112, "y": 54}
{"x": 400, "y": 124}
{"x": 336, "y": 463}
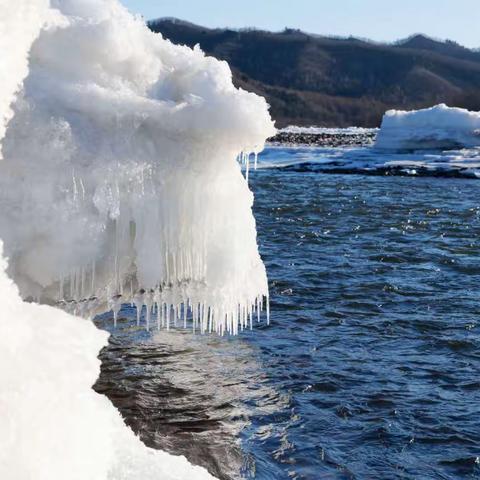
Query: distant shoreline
{"x": 324, "y": 137}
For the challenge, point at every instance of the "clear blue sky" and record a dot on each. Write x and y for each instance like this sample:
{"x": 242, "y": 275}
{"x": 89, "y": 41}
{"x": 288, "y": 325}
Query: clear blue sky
{"x": 381, "y": 20}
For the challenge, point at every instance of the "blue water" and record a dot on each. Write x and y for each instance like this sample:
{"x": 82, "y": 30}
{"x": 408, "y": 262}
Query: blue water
{"x": 370, "y": 368}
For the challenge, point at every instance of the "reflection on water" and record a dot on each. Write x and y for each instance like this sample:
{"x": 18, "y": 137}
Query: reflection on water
{"x": 370, "y": 368}
{"x": 186, "y": 394}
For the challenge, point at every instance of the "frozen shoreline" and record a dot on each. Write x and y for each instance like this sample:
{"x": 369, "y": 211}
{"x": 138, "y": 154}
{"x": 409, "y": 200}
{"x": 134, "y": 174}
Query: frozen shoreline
{"x": 435, "y": 142}
{"x": 367, "y": 160}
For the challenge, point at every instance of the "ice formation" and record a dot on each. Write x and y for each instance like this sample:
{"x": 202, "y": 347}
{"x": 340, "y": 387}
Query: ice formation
{"x": 436, "y": 128}
{"x": 119, "y": 171}
{"x": 20, "y": 24}
{"x": 53, "y": 426}
{"x": 120, "y": 179}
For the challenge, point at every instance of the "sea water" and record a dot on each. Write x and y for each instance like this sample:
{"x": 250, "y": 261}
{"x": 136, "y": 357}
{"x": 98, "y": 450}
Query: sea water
{"x": 369, "y": 368}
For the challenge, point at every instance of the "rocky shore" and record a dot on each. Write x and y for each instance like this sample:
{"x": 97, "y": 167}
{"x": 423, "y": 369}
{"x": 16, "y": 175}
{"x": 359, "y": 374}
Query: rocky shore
{"x": 324, "y": 138}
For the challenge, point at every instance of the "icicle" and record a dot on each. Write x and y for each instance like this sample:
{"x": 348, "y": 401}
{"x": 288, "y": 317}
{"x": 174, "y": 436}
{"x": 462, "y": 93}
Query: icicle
{"x": 167, "y": 265}
{"x": 71, "y": 285}
{"x": 93, "y": 277}
{"x": 159, "y": 316}
{"x": 131, "y": 292}
{"x": 82, "y": 186}
{"x": 194, "y": 318}
{"x": 115, "y": 304}
{"x": 202, "y": 320}
{"x": 75, "y": 189}
{"x": 116, "y": 254}
{"x": 205, "y": 318}
{"x": 82, "y": 288}
{"x": 78, "y": 281}
{"x": 268, "y": 309}
{"x": 148, "y": 300}
{"x": 138, "y": 302}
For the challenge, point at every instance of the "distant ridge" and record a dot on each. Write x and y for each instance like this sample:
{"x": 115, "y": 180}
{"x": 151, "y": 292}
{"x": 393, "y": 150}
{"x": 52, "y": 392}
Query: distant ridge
{"x": 445, "y": 47}
{"x": 330, "y": 81}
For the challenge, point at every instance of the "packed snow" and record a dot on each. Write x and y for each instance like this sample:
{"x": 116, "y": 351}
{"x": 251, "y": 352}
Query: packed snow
{"x": 436, "y": 128}
{"x": 53, "y": 425}
{"x": 120, "y": 176}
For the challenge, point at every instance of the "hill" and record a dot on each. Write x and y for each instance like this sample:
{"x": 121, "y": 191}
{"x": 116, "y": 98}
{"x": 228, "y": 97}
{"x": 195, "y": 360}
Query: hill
{"x": 314, "y": 80}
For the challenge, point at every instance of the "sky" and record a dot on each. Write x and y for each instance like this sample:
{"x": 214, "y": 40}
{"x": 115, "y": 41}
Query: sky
{"x": 379, "y": 20}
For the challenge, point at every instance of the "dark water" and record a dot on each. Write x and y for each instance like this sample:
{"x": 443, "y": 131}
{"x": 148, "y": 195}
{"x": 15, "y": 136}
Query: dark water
{"x": 370, "y": 369}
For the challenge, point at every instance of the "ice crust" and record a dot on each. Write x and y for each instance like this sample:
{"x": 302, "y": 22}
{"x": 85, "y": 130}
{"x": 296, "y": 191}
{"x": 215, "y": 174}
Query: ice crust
{"x": 120, "y": 174}
{"x": 437, "y": 128}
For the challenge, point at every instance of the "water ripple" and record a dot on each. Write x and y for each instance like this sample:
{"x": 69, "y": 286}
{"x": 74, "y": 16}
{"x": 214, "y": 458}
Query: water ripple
{"x": 370, "y": 367}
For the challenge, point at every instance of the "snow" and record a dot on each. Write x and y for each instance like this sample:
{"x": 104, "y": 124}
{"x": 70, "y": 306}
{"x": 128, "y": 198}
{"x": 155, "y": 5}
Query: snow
{"x": 21, "y": 23}
{"x": 120, "y": 172}
{"x": 53, "y": 425}
{"x": 436, "y": 128}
